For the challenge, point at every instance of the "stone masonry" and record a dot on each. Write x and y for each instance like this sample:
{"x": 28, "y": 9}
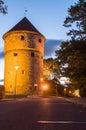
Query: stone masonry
{"x": 23, "y": 50}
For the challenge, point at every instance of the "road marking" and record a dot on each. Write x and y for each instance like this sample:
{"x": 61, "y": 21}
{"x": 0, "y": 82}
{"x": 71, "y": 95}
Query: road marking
{"x": 61, "y": 122}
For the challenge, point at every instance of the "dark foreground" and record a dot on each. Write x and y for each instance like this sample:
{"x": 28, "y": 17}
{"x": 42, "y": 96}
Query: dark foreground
{"x": 41, "y": 114}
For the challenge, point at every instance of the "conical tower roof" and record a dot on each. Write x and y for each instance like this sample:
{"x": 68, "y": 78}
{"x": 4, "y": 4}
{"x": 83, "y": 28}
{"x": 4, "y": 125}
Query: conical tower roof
{"x": 24, "y": 24}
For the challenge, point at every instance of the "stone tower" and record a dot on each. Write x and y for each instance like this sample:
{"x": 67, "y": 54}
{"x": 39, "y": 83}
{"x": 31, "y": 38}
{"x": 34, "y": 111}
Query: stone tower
{"x": 23, "y": 50}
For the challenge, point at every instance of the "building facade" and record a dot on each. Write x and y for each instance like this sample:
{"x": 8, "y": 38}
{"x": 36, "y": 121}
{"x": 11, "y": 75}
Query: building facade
{"x": 23, "y": 67}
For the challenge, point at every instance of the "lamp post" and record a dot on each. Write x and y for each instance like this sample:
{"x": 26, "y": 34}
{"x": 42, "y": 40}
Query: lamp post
{"x": 16, "y": 68}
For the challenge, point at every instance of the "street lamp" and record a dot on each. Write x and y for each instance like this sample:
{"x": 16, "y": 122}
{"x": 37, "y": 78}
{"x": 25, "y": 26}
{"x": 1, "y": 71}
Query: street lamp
{"x": 41, "y": 79}
{"x": 16, "y": 68}
{"x": 36, "y": 87}
{"x": 45, "y": 87}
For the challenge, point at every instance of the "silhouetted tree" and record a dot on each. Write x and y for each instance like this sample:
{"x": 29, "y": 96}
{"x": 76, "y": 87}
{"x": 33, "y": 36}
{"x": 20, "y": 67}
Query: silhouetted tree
{"x": 51, "y": 68}
{"x": 72, "y": 55}
{"x": 77, "y": 19}
{"x": 3, "y": 7}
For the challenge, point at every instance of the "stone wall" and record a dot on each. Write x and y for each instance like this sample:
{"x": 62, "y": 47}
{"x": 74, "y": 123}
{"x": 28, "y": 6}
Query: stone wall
{"x": 25, "y": 50}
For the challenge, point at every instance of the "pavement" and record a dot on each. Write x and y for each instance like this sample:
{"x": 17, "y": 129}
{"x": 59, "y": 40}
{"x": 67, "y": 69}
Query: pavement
{"x": 76, "y": 100}
{"x": 79, "y": 101}
{"x": 36, "y": 113}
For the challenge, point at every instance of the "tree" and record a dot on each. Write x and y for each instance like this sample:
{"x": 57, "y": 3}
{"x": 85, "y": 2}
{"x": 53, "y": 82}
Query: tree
{"x": 72, "y": 55}
{"x": 51, "y": 75}
{"x": 72, "y": 61}
{"x": 77, "y": 18}
{"x": 3, "y": 8}
{"x": 51, "y": 68}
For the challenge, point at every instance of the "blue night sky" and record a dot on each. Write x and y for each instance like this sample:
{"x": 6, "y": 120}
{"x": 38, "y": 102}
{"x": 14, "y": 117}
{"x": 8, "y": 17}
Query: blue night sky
{"x": 46, "y": 15}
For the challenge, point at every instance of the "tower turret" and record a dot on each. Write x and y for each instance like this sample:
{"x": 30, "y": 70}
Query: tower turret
{"x": 24, "y": 50}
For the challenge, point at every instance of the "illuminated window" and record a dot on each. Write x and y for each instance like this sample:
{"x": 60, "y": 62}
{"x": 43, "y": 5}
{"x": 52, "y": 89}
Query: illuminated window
{"x": 15, "y": 54}
{"x": 22, "y": 38}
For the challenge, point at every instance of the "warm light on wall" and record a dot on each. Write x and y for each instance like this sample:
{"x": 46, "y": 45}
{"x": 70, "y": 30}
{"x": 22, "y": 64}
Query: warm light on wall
{"x": 65, "y": 89}
{"x": 41, "y": 79}
{"x": 45, "y": 87}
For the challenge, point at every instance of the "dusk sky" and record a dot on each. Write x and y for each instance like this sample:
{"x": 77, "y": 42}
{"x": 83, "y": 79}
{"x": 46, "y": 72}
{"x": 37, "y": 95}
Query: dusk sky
{"x": 46, "y": 15}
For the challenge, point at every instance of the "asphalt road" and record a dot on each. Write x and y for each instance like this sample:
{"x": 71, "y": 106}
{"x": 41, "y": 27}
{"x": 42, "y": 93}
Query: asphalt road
{"x": 41, "y": 114}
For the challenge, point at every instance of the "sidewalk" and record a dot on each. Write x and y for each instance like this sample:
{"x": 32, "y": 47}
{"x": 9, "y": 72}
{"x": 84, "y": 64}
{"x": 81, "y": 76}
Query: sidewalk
{"x": 78, "y": 101}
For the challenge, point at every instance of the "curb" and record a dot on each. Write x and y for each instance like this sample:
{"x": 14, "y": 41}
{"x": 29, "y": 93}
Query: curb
{"x": 76, "y": 102}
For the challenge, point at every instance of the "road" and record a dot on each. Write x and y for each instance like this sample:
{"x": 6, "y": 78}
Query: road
{"x": 41, "y": 114}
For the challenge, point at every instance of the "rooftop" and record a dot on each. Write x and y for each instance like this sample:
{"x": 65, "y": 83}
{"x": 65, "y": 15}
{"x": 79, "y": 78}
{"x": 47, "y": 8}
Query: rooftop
{"x": 24, "y": 24}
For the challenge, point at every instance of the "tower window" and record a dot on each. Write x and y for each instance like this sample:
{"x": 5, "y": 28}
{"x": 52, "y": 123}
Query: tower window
{"x": 23, "y": 72}
{"x": 41, "y": 57}
{"x": 39, "y": 40}
{"x": 22, "y": 37}
{"x": 15, "y": 54}
{"x": 32, "y": 54}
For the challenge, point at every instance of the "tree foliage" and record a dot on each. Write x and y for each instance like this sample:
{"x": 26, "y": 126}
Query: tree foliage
{"x": 51, "y": 74}
{"x": 51, "y": 68}
{"x": 3, "y": 7}
{"x": 72, "y": 61}
{"x": 77, "y": 19}
{"x": 72, "y": 54}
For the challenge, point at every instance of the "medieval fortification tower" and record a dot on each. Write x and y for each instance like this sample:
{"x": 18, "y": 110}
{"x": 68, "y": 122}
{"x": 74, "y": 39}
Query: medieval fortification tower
{"x": 23, "y": 50}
